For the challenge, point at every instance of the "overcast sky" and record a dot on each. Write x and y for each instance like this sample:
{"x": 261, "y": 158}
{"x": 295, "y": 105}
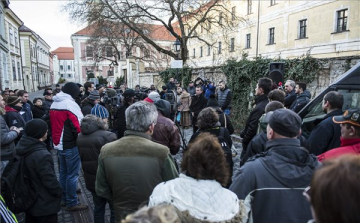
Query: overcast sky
{"x": 46, "y": 19}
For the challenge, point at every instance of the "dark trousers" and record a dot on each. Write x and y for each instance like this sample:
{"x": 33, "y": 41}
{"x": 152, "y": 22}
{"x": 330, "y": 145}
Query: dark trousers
{"x": 53, "y": 218}
{"x": 194, "y": 120}
{"x": 99, "y": 209}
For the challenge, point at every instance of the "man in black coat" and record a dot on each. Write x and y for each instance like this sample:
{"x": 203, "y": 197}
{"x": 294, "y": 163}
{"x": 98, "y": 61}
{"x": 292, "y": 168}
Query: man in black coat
{"x": 120, "y": 123}
{"x": 272, "y": 183}
{"x": 262, "y": 89}
{"x": 326, "y": 134}
{"x": 40, "y": 166}
{"x": 198, "y": 102}
{"x": 290, "y": 93}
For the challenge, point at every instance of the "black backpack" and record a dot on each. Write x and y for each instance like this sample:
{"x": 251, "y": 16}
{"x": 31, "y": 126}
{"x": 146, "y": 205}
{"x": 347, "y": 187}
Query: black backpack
{"x": 16, "y": 186}
{"x": 227, "y": 151}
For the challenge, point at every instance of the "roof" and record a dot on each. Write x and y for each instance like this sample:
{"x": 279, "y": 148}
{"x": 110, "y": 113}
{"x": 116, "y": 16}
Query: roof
{"x": 156, "y": 32}
{"x": 64, "y": 53}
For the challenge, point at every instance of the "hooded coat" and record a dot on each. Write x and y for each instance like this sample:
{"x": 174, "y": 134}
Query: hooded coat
{"x": 41, "y": 170}
{"x": 7, "y": 141}
{"x": 272, "y": 183}
{"x": 93, "y": 136}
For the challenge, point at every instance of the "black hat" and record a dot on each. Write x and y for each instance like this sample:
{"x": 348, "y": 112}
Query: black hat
{"x": 351, "y": 116}
{"x": 284, "y": 122}
{"x": 57, "y": 85}
{"x": 99, "y": 86}
{"x": 212, "y": 102}
{"x": 72, "y": 89}
{"x": 12, "y": 100}
{"x": 79, "y": 85}
{"x": 36, "y": 128}
{"x": 129, "y": 93}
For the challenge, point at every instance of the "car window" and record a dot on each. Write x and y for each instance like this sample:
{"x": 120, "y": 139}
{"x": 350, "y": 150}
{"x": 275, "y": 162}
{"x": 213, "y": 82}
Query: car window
{"x": 351, "y": 98}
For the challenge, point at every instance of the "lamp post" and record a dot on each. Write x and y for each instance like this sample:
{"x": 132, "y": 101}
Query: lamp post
{"x": 178, "y": 63}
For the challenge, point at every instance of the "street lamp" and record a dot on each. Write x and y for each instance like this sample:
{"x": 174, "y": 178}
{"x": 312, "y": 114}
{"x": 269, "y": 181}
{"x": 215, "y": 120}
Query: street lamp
{"x": 177, "y": 46}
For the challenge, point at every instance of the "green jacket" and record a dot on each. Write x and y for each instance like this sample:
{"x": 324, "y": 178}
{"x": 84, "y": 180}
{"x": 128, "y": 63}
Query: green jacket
{"x": 129, "y": 169}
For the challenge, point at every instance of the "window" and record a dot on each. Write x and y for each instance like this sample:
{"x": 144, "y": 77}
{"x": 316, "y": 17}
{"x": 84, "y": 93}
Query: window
{"x": 89, "y": 51}
{"x": 109, "y": 51}
{"x": 201, "y": 28}
{"x": 248, "y": 42}
{"x": 146, "y": 53}
{"x": 302, "y": 31}
{"x": 201, "y": 51}
{"x": 272, "y": 2}
{"x": 233, "y": 13}
{"x": 341, "y": 20}
{"x": 249, "y": 6}
{"x": 209, "y": 50}
{"x": 14, "y": 70}
{"x": 271, "y": 35}
{"x": 18, "y": 67}
{"x": 69, "y": 75}
{"x": 232, "y": 44}
{"x": 219, "y": 48}
{"x": 62, "y": 75}
{"x": 16, "y": 39}
{"x": 69, "y": 67}
{"x": 220, "y": 17}
{"x": 194, "y": 53}
{"x": 11, "y": 35}
{"x": 61, "y": 67}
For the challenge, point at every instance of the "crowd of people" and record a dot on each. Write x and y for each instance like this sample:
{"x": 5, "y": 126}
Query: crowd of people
{"x": 126, "y": 153}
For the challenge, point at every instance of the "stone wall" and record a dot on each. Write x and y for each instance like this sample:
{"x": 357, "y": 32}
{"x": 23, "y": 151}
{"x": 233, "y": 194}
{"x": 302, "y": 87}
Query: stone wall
{"x": 330, "y": 72}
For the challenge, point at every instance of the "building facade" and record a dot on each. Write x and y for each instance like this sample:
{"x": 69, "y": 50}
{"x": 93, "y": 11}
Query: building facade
{"x": 110, "y": 64}
{"x": 4, "y": 78}
{"x": 285, "y": 29}
{"x": 13, "y": 78}
{"x": 65, "y": 63}
{"x": 43, "y": 61}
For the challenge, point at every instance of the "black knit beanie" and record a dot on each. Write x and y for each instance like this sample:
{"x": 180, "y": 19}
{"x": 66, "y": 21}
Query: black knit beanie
{"x": 212, "y": 102}
{"x": 72, "y": 89}
{"x": 36, "y": 128}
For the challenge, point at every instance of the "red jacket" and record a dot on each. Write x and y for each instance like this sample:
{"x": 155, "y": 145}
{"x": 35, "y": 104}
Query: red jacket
{"x": 348, "y": 146}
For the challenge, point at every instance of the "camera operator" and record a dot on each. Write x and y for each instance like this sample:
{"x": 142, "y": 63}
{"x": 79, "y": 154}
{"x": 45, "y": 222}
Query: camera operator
{"x": 208, "y": 86}
{"x": 129, "y": 96}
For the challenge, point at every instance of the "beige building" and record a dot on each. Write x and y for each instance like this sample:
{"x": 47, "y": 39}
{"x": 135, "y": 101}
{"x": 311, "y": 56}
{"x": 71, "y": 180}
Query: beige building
{"x": 286, "y": 29}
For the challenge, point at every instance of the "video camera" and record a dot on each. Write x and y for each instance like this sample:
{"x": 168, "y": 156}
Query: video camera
{"x": 112, "y": 97}
{"x": 200, "y": 81}
{"x": 141, "y": 94}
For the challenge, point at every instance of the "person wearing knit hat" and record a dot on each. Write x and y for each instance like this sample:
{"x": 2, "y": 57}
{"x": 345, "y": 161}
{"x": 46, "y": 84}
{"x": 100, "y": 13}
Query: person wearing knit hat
{"x": 65, "y": 118}
{"x": 12, "y": 116}
{"x": 212, "y": 102}
{"x": 71, "y": 89}
{"x": 89, "y": 102}
{"x": 100, "y": 111}
{"x": 152, "y": 97}
{"x": 40, "y": 167}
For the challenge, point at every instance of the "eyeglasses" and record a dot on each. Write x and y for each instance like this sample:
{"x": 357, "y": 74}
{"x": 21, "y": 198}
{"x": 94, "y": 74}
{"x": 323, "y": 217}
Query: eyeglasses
{"x": 306, "y": 193}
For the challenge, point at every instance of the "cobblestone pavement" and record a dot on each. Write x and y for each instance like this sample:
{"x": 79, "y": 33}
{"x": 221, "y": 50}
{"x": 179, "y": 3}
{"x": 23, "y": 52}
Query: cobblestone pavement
{"x": 86, "y": 197}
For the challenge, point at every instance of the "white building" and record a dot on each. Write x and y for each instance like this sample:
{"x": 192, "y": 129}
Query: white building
{"x": 65, "y": 63}
{"x": 43, "y": 59}
{"x": 4, "y": 78}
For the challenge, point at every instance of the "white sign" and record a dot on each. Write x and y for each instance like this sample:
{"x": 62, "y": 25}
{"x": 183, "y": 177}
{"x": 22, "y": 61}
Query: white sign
{"x": 177, "y": 64}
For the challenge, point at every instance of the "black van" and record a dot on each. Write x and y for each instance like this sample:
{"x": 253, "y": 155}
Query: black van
{"x": 348, "y": 84}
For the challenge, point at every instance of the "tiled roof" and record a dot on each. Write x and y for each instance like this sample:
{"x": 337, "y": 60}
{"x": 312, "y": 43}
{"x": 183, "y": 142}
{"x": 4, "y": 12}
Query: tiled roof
{"x": 156, "y": 32}
{"x": 64, "y": 53}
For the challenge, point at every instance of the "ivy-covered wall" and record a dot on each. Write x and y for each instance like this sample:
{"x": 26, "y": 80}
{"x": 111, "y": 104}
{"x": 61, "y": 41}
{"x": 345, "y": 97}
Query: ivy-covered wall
{"x": 241, "y": 77}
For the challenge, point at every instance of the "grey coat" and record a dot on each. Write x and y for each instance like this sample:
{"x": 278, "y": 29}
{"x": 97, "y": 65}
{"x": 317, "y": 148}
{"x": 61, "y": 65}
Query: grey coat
{"x": 7, "y": 141}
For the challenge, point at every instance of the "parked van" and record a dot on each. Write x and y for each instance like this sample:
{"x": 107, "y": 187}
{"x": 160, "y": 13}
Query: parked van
{"x": 347, "y": 84}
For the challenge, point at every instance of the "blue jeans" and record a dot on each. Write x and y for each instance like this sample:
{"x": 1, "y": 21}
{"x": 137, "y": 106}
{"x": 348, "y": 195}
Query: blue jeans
{"x": 99, "y": 209}
{"x": 227, "y": 111}
{"x": 69, "y": 160}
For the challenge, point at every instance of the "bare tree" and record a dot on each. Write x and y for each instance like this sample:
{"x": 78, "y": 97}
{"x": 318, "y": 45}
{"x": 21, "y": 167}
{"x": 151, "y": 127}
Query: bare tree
{"x": 181, "y": 18}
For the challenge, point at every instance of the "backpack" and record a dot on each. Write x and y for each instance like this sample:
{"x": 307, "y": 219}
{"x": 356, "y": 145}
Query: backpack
{"x": 16, "y": 186}
{"x": 227, "y": 151}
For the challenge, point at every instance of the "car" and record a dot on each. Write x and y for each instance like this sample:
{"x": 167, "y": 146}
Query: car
{"x": 348, "y": 84}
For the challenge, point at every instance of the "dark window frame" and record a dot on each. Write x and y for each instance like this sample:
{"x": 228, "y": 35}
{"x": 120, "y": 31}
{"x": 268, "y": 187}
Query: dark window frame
{"x": 233, "y": 12}
{"x": 271, "y": 36}
{"x": 249, "y": 7}
{"x": 248, "y": 41}
{"x": 232, "y": 44}
{"x": 272, "y": 2}
{"x": 201, "y": 51}
{"x": 341, "y": 20}
{"x": 302, "y": 28}
{"x": 219, "y": 47}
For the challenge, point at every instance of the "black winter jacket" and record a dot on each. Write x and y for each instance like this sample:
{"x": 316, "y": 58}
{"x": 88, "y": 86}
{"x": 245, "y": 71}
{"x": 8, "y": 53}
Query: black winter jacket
{"x": 258, "y": 145}
{"x": 42, "y": 174}
{"x": 224, "y": 98}
{"x": 224, "y": 119}
{"x": 7, "y": 141}
{"x": 272, "y": 183}
{"x": 253, "y": 120}
{"x": 197, "y": 104}
{"x": 86, "y": 107}
{"x": 47, "y": 104}
{"x": 93, "y": 136}
{"x": 120, "y": 122}
{"x": 290, "y": 98}
{"x": 39, "y": 112}
{"x": 329, "y": 133}
{"x": 301, "y": 101}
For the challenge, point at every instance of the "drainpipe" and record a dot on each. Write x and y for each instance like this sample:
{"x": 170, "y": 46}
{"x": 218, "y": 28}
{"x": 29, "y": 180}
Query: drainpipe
{"x": 257, "y": 32}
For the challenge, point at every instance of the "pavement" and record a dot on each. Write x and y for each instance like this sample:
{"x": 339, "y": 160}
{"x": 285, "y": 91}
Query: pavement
{"x": 85, "y": 196}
